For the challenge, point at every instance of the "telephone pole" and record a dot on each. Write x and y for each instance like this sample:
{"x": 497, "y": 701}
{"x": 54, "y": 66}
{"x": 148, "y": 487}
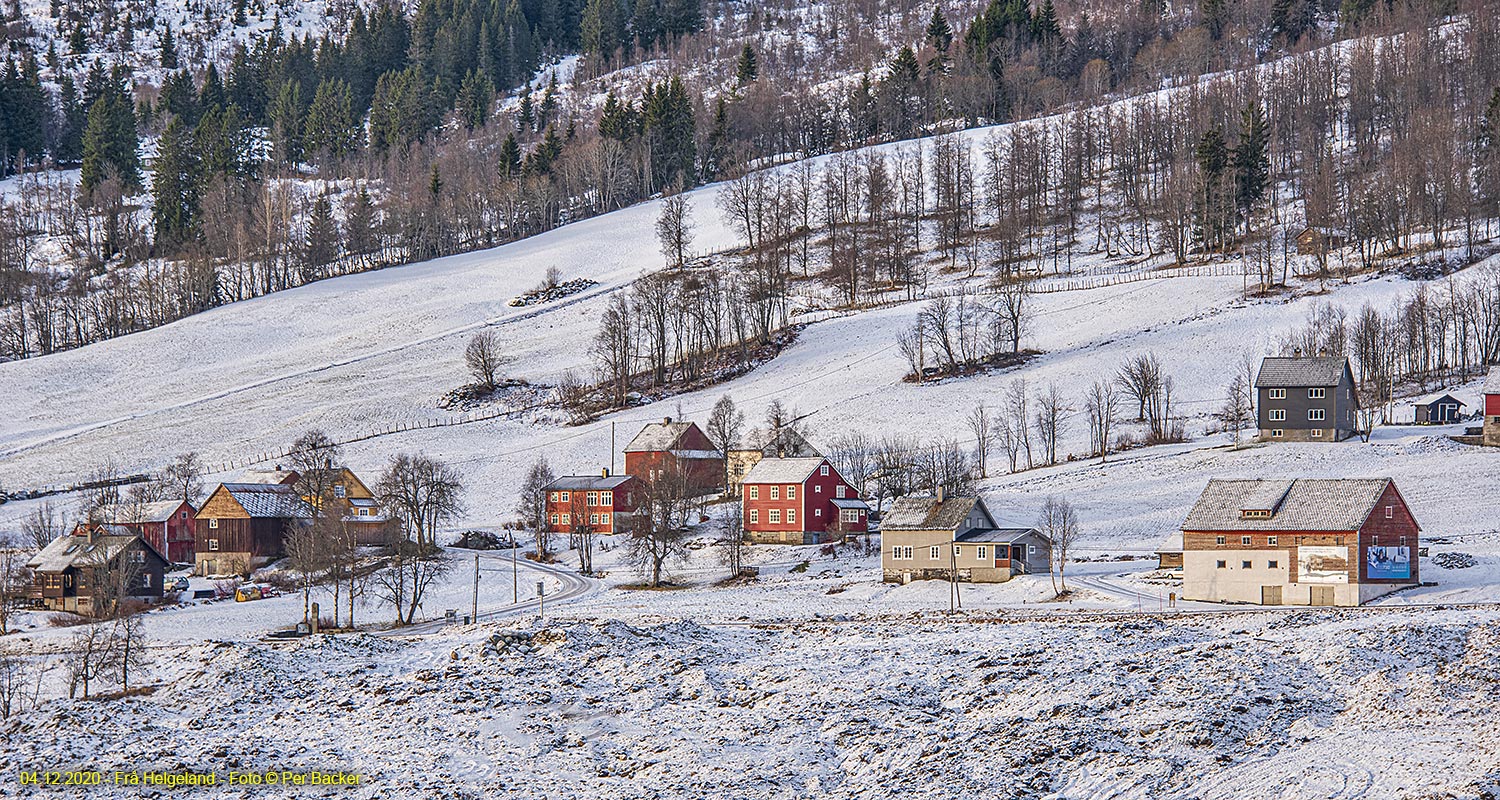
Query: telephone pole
{"x": 475, "y": 618}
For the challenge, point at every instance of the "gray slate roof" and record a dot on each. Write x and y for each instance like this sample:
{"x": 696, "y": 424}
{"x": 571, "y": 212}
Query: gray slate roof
{"x": 849, "y": 502}
{"x": 575, "y": 483}
{"x": 927, "y": 514}
{"x": 1492, "y": 383}
{"x": 1297, "y": 505}
{"x": 71, "y": 549}
{"x": 269, "y": 500}
{"x": 999, "y": 535}
{"x": 782, "y": 470}
{"x": 146, "y": 512}
{"x": 658, "y": 436}
{"x": 1295, "y": 373}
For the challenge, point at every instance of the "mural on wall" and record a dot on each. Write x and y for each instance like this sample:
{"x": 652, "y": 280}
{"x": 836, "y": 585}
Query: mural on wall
{"x": 1384, "y": 563}
{"x": 1319, "y": 564}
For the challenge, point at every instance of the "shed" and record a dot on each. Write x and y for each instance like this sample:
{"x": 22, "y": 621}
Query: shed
{"x": 1445, "y": 410}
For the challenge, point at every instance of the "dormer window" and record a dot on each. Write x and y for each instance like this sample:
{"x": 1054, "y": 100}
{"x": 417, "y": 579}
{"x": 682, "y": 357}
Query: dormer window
{"x": 1255, "y": 513}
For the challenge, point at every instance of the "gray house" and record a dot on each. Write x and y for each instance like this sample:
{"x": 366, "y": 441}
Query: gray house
{"x": 942, "y": 537}
{"x": 1306, "y": 399}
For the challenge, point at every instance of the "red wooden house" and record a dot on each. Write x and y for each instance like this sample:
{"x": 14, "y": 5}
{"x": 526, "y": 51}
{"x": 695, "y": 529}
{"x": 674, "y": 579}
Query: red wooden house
{"x": 605, "y": 503}
{"x": 662, "y": 449}
{"x": 169, "y": 525}
{"x": 800, "y": 501}
{"x": 1492, "y": 408}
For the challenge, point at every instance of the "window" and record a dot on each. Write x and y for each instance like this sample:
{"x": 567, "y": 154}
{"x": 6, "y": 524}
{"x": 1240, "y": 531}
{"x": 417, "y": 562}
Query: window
{"x": 1278, "y": 394}
{"x": 934, "y": 552}
{"x": 1255, "y": 514}
{"x": 340, "y": 492}
{"x": 1316, "y": 394}
{"x": 823, "y": 470}
{"x": 1273, "y": 564}
{"x": 775, "y": 492}
{"x": 791, "y": 493}
{"x": 213, "y": 544}
{"x": 754, "y": 516}
{"x": 213, "y": 523}
{"x": 818, "y": 488}
{"x": 603, "y": 519}
{"x": 1244, "y": 565}
{"x": 606, "y": 498}
{"x": 552, "y": 496}
{"x": 817, "y": 512}
{"x": 1390, "y": 512}
{"x": 849, "y": 515}
{"x": 137, "y": 557}
{"x": 1317, "y": 433}
{"x": 1316, "y": 414}
{"x": 1245, "y": 540}
{"x": 1220, "y": 540}
{"x": 901, "y": 552}
{"x": 554, "y": 519}
{"x": 1221, "y": 564}
{"x": 774, "y": 516}
{"x": 1271, "y": 540}
{"x": 838, "y": 491}
{"x": 1030, "y": 550}
{"x": 791, "y": 515}
{"x": 593, "y": 519}
{"x": 364, "y": 512}
{"x": 593, "y": 499}
{"x": 567, "y": 519}
{"x": 1276, "y": 433}
{"x": 957, "y": 551}
{"x": 183, "y": 515}
{"x": 1278, "y": 414}
{"x": 754, "y": 492}
{"x": 566, "y": 498}
{"x": 983, "y": 551}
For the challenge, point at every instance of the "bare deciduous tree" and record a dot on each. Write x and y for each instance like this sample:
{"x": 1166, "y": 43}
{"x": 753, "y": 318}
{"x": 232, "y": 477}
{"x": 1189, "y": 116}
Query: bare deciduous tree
{"x": 1059, "y": 521}
{"x": 725, "y": 423}
{"x": 1102, "y": 407}
{"x": 1236, "y": 412}
{"x": 531, "y": 505}
{"x": 660, "y": 534}
{"x": 483, "y": 358}
{"x": 674, "y": 229}
{"x": 422, "y": 494}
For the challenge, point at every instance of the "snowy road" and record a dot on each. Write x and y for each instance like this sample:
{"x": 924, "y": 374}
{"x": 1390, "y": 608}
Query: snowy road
{"x": 574, "y": 587}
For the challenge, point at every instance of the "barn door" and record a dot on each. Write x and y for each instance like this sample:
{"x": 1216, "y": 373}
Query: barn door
{"x": 1270, "y": 595}
{"x": 1322, "y": 595}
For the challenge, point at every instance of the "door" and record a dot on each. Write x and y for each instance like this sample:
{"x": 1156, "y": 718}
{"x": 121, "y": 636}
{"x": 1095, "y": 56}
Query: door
{"x": 1322, "y": 595}
{"x": 1270, "y": 595}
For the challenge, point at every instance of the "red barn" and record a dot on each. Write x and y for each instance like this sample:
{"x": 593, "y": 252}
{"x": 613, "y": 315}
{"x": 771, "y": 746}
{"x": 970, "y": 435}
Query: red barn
{"x": 1492, "y": 408}
{"x": 606, "y": 503}
{"x": 800, "y": 501}
{"x": 169, "y": 526}
{"x": 665, "y": 447}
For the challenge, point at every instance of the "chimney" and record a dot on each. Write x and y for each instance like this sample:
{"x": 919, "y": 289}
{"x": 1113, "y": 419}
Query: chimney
{"x": 328, "y": 463}
{"x": 666, "y": 420}
{"x": 1296, "y": 352}
{"x": 940, "y": 494}
{"x": 604, "y": 473}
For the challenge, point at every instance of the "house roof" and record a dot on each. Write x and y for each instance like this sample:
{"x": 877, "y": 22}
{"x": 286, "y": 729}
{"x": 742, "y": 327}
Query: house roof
{"x": 927, "y": 514}
{"x": 768, "y": 442}
{"x": 268, "y": 476}
{"x": 146, "y": 512}
{"x": 1296, "y": 505}
{"x": 999, "y": 535}
{"x": 1492, "y": 383}
{"x": 782, "y": 470}
{"x": 269, "y": 500}
{"x": 71, "y": 549}
{"x": 1278, "y": 372}
{"x": 1171, "y": 544}
{"x": 1447, "y": 399}
{"x": 587, "y": 482}
{"x": 657, "y": 436}
{"x": 849, "y": 502}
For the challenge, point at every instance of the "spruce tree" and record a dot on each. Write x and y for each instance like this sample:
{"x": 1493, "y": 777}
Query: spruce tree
{"x": 510, "y": 157}
{"x": 359, "y": 223}
{"x": 69, "y": 147}
{"x": 1252, "y": 164}
{"x": 475, "y": 98}
{"x": 78, "y": 40}
{"x": 286, "y": 124}
{"x": 174, "y": 187}
{"x": 168, "y": 49}
{"x": 645, "y": 24}
{"x": 321, "y": 247}
{"x": 110, "y": 144}
{"x": 1214, "y": 207}
{"x": 748, "y": 67}
{"x": 241, "y": 19}
{"x": 212, "y": 94}
{"x": 329, "y": 130}
{"x": 716, "y": 150}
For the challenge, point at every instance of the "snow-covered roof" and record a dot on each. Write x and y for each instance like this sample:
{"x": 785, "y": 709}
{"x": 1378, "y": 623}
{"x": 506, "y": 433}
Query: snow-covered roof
{"x": 999, "y": 535}
{"x": 1492, "y": 383}
{"x": 930, "y": 514}
{"x": 783, "y": 470}
{"x": 267, "y": 476}
{"x": 273, "y": 500}
{"x": 849, "y": 502}
{"x": 1289, "y": 373}
{"x": 658, "y": 436}
{"x": 160, "y": 511}
{"x": 1171, "y": 544}
{"x": 587, "y": 482}
{"x": 1297, "y": 505}
{"x": 67, "y": 551}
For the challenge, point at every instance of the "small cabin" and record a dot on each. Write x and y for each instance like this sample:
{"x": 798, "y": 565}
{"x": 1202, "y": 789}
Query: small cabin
{"x": 1445, "y": 410}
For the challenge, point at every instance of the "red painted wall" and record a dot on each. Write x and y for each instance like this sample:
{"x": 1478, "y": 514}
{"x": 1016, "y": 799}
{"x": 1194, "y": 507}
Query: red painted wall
{"x": 813, "y": 495}
{"x": 1398, "y": 531}
{"x": 1492, "y": 405}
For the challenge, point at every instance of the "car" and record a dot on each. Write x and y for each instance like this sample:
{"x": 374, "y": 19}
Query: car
{"x": 247, "y": 593}
{"x": 178, "y": 585}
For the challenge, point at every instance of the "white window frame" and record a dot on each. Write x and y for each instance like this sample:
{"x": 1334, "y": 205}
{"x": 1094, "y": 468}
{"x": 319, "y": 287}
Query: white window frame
{"x": 775, "y": 492}
{"x": 213, "y": 523}
{"x": 823, "y": 470}
{"x": 839, "y": 491}
{"x": 754, "y": 492}
{"x": 566, "y": 498}
{"x": 1316, "y": 414}
{"x": 606, "y": 498}
{"x": 1278, "y": 415}
{"x": 754, "y": 516}
{"x": 791, "y": 516}
{"x": 1390, "y": 512}
{"x": 773, "y": 516}
{"x": 1317, "y": 394}
{"x": 791, "y": 492}
{"x": 555, "y": 519}
{"x": 1317, "y": 433}
{"x": 1271, "y": 540}
{"x": 1277, "y": 433}
{"x": 567, "y": 519}
{"x": 849, "y": 515}
{"x": 817, "y": 512}
{"x": 340, "y": 492}
{"x": 592, "y": 499}
{"x": 553, "y": 496}
{"x": 603, "y": 519}
{"x": 1245, "y": 540}
{"x": 1277, "y": 394}
{"x": 818, "y": 487}
{"x": 983, "y": 551}
{"x": 935, "y": 552}
{"x": 1220, "y": 540}
{"x": 213, "y": 544}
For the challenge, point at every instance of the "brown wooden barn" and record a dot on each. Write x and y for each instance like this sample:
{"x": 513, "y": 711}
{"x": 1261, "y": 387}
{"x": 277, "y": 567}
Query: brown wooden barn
{"x": 244, "y": 525}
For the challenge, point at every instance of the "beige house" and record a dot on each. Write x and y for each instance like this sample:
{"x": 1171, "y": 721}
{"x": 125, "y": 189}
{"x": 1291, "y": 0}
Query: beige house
{"x": 758, "y": 444}
{"x": 940, "y": 538}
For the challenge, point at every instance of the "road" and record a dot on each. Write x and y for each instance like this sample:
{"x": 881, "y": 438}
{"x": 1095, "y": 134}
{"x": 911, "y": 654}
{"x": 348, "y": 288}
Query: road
{"x": 575, "y": 586}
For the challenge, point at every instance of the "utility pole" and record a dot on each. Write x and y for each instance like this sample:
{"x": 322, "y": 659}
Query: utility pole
{"x": 515, "y": 582}
{"x": 475, "y": 618}
{"x": 611, "y": 448}
{"x": 541, "y": 601}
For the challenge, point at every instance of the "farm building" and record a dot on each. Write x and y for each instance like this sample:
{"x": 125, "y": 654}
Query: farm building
{"x": 352, "y": 499}
{"x": 605, "y": 503}
{"x": 1492, "y": 408}
{"x": 800, "y": 501}
{"x": 667, "y": 448}
{"x": 1316, "y": 240}
{"x": 1299, "y": 542}
{"x": 1445, "y": 410}
{"x": 244, "y": 525}
{"x": 943, "y": 537}
{"x": 1306, "y": 399}
{"x": 168, "y": 525}
{"x": 95, "y": 566}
